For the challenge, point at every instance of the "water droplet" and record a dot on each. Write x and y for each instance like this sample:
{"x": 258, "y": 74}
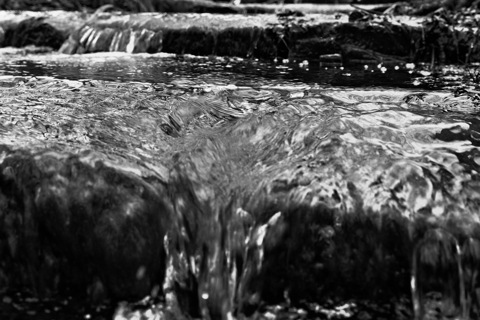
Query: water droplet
{"x": 477, "y": 160}
{"x": 7, "y": 300}
{"x": 148, "y": 314}
{"x": 205, "y": 296}
{"x": 141, "y": 272}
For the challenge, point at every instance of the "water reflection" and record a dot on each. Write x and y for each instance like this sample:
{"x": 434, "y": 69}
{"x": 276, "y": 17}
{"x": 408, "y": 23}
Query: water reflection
{"x": 165, "y": 68}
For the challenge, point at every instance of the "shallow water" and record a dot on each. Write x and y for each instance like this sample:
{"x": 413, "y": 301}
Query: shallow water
{"x": 167, "y": 68}
{"x": 242, "y": 144}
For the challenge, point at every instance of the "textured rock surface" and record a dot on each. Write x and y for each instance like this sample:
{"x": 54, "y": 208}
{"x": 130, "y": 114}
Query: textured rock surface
{"x": 312, "y": 37}
{"x": 70, "y": 222}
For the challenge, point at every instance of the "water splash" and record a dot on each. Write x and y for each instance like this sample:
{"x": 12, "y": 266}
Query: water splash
{"x": 444, "y": 276}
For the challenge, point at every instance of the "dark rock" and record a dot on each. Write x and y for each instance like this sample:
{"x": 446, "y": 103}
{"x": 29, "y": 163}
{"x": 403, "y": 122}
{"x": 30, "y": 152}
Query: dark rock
{"x": 33, "y": 31}
{"x": 383, "y": 38}
{"x": 352, "y": 55}
{"x": 313, "y": 48}
{"x": 256, "y": 36}
{"x": 67, "y": 220}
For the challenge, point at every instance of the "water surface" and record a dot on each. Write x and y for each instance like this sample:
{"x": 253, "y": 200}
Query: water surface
{"x": 242, "y": 143}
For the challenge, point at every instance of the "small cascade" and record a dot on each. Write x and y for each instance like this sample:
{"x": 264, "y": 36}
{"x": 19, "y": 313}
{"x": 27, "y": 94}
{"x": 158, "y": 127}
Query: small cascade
{"x": 471, "y": 269}
{"x": 216, "y": 246}
{"x": 95, "y": 39}
{"x": 213, "y": 280}
{"x": 444, "y": 276}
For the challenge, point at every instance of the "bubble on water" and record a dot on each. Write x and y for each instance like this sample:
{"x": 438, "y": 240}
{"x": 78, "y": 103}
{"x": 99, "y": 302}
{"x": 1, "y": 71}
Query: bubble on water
{"x": 149, "y": 314}
{"x": 7, "y": 299}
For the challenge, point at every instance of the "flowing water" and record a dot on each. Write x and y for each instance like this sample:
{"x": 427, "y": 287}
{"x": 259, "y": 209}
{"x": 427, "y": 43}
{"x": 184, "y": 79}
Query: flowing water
{"x": 294, "y": 191}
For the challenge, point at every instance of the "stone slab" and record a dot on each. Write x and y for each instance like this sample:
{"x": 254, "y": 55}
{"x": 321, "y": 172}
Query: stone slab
{"x": 267, "y": 36}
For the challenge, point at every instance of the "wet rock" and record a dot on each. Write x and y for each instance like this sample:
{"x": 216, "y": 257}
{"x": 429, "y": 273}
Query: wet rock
{"x": 39, "y": 28}
{"x": 68, "y": 219}
{"x": 80, "y": 218}
{"x": 129, "y": 6}
{"x": 33, "y": 31}
{"x": 352, "y": 55}
{"x": 266, "y": 36}
{"x": 313, "y": 48}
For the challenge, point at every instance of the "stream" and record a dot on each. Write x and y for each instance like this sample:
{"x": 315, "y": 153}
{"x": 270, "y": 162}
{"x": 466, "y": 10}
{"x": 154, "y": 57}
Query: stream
{"x": 176, "y": 187}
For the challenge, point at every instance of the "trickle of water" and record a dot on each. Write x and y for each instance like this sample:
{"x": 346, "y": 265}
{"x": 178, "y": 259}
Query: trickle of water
{"x": 444, "y": 276}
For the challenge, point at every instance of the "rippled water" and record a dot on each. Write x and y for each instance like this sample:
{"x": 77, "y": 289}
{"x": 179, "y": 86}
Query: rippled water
{"x": 165, "y": 68}
{"x": 251, "y": 151}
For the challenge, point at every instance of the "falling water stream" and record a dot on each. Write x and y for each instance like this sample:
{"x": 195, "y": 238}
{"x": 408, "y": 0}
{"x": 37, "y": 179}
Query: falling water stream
{"x": 289, "y": 190}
